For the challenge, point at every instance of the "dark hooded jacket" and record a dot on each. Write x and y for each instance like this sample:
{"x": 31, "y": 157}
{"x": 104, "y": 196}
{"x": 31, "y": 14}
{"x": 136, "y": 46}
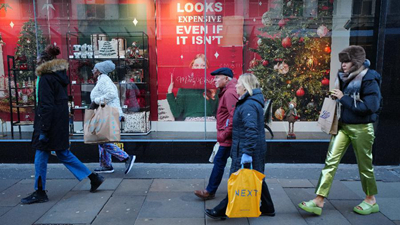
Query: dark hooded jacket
{"x": 366, "y": 110}
{"x": 248, "y": 135}
{"x": 51, "y": 112}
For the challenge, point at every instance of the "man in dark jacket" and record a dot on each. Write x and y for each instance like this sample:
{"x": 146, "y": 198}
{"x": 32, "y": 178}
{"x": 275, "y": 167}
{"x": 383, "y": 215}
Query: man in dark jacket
{"x": 227, "y": 100}
{"x": 51, "y": 125}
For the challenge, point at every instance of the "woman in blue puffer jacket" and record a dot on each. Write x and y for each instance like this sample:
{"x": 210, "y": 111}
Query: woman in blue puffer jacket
{"x": 248, "y": 140}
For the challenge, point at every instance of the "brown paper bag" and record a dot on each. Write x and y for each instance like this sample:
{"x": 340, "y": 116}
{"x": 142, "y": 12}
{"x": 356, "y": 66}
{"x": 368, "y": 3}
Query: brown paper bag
{"x": 101, "y": 125}
{"x": 327, "y": 119}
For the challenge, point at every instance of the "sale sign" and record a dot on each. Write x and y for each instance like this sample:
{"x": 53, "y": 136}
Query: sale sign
{"x": 193, "y": 39}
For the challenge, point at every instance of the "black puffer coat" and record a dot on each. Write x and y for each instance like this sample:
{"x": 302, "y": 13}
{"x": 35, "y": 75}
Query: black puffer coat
{"x": 51, "y": 113}
{"x": 248, "y": 135}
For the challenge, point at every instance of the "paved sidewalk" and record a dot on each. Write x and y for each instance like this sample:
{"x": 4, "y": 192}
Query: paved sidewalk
{"x": 163, "y": 194}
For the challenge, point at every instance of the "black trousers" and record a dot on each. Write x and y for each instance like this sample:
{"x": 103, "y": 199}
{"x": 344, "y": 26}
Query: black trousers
{"x": 267, "y": 206}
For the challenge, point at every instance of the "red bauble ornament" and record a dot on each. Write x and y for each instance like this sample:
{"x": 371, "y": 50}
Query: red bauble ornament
{"x": 325, "y": 81}
{"x": 301, "y": 40}
{"x": 324, "y": 8}
{"x": 327, "y": 72}
{"x": 265, "y": 62}
{"x": 287, "y": 42}
{"x": 282, "y": 23}
{"x": 327, "y": 49}
{"x": 253, "y": 63}
{"x": 300, "y": 92}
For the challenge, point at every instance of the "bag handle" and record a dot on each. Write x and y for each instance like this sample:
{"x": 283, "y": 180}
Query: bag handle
{"x": 251, "y": 166}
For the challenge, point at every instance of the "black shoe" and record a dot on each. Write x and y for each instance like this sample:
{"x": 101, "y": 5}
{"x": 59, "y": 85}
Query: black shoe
{"x": 215, "y": 215}
{"x": 35, "y": 197}
{"x": 104, "y": 170}
{"x": 96, "y": 182}
{"x": 272, "y": 214}
{"x": 129, "y": 163}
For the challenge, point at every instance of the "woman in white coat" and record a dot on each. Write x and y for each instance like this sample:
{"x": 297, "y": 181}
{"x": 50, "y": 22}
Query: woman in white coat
{"x": 105, "y": 92}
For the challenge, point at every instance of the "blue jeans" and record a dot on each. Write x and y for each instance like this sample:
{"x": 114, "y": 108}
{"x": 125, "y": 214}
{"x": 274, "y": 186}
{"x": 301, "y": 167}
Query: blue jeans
{"x": 218, "y": 170}
{"x": 72, "y": 163}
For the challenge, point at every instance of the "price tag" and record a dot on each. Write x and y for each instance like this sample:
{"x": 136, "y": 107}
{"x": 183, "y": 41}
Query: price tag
{"x": 77, "y": 106}
{"x": 123, "y": 82}
{"x": 71, "y": 56}
{"x": 125, "y": 106}
{"x": 96, "y": 56}
{"x": 73, "y": 82}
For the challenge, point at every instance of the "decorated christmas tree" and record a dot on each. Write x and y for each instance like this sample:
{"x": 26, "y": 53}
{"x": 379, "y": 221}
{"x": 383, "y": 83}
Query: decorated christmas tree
{"x": 26, "y": 51}
{"x": 294, "y": 55}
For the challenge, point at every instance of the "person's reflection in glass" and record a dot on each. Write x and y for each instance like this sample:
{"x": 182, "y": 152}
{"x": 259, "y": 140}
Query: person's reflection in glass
{"x": 188, "y": 103}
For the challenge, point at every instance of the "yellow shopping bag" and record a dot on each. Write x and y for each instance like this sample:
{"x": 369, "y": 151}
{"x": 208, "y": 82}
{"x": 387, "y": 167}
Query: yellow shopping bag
{"x": 244, "y": 193}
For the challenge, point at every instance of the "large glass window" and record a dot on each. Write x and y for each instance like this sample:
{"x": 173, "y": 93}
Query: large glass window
{"x": 165, "y": 50}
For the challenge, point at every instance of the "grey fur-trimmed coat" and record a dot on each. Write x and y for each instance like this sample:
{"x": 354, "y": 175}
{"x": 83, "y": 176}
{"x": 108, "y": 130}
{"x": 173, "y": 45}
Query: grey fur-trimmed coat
{"x": 248, "y": 135}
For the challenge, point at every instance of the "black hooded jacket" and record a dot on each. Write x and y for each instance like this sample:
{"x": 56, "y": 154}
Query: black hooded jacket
{"x": 51, "y": 112}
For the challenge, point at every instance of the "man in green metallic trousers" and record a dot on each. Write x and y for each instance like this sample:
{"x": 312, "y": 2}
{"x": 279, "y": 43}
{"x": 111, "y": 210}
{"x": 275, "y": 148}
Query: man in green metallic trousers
{"x": 359, "y": 101}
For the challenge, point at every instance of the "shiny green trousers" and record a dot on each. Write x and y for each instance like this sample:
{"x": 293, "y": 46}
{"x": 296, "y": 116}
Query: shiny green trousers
{"x": 361, "y": 136}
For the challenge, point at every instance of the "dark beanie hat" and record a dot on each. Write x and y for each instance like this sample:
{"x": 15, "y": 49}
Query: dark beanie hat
{"x": 355, "y": 54}
{"x": 223, "y": 71}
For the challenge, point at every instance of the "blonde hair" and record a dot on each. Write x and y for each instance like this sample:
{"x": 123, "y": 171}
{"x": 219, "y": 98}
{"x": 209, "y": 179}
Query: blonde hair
{"x": 249, "y": 82}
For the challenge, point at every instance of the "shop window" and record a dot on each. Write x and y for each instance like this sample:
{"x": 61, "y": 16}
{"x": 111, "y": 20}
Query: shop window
{"x": 95, "y": 11}
{"x": 363, "y": 7}
{"x": 394, "y": 6}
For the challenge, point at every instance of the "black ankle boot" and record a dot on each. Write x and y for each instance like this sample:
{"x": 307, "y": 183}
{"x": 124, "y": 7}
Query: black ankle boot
{"x": 215, "y": 215}
{"x": 95, "y": 181}
{"x": 35, "y": 197}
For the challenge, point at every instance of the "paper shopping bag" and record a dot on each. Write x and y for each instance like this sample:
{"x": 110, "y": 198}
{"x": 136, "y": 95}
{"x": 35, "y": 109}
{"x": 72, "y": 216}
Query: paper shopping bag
{"x": 101, "y": 125}
{"x": 214, "y": 152}
{"x": 244, "y": 193}
{"x": 327, "y": 119}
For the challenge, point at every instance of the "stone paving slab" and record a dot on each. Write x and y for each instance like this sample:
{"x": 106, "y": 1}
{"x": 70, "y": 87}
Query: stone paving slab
{"x": 13, "y": 195}
{"x": 279, "y": 218}
{"x": 6, "y": 183}
{"x": 229, "y": 221}
{"x": 28, "y": 214}
{"x": 390, "y": 207}
{"x": 4, "y": 209}
{"x": 282, "y": 203}
{"x": 176, "y": 185}
{"x": 120, "y": 210}
{"x": 133, "y": 187}
{"x": 298, "y": 183}
{"x": 169, "y": 221}
{"x": 346, "y": 209}
{"x": 172, "y": 205}
{"x": 385, "y": 189}
{"x": 340, "y": 190}
{"x": 109, "y": 184}
{"x": 76, "y": 207}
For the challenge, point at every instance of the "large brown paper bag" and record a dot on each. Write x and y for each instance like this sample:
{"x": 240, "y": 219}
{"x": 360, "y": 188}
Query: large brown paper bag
{"x": 327, "y": 119}
{"x": 101, "y": 125}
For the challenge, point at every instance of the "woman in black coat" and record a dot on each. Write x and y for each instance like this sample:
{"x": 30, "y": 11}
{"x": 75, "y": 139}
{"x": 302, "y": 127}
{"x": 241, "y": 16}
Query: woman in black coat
{"x": 51, "y": 124}
{"x": 248, "y": 140}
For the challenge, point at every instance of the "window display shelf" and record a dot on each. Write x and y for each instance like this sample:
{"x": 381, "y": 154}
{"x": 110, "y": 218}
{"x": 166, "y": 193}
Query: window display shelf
{"x": 129, "y": 52}
{"x": 21, "y": 102}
